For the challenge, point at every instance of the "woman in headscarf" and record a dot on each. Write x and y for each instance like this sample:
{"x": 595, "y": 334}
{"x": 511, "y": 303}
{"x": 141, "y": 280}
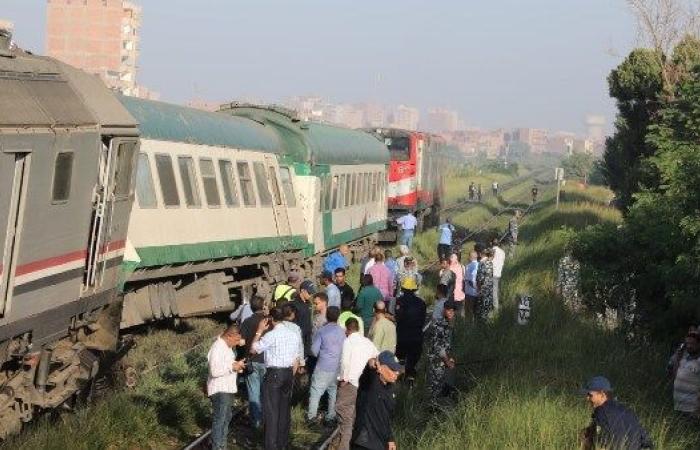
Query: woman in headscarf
{"x": 484, "y": 283}
{"x": 458, "y": 269}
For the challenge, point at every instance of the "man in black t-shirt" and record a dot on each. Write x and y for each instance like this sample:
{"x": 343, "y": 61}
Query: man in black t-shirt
{"x": 376, "y": 406}
{"x": 346, "y": 291}
{"x": 256, "y": 361}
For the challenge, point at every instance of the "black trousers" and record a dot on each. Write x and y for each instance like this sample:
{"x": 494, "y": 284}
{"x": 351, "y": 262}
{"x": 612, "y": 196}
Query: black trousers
{"x": 276, "y": 406}
{"x": 443, "y": 251}
{"x": 410, "y": 350}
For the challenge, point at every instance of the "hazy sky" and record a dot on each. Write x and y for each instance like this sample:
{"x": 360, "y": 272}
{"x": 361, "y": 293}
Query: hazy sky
{"x": 536, "y": 63}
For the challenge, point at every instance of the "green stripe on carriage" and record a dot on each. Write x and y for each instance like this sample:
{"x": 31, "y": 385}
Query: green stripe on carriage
{"x": 334, "y": 240}
{"x": 177, "y": 254}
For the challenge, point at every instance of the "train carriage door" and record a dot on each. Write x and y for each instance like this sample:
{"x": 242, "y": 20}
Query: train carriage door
{"x": 279, "y": 206}
{"x": 114, "y": 187}
{"x": 14, "y": 179}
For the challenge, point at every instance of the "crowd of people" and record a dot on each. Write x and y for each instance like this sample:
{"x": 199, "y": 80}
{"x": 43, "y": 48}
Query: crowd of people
{"x": 351, "y": 347}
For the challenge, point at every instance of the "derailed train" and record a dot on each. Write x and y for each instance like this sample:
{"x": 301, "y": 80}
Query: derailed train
{"x": 217, "y": 206}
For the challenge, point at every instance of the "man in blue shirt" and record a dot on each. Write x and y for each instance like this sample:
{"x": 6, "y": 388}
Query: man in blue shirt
{"x": 336, "y": 260}
{"x": 613, "y": 426}
{"x": 327, "y": 346}
{"x": 444, "y": 247}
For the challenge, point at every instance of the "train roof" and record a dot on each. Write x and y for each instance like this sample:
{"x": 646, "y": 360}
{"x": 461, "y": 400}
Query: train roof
{"x": 313, "y": 142}
{"x": 39, "y": 91}
{"x": 167, "y": 122}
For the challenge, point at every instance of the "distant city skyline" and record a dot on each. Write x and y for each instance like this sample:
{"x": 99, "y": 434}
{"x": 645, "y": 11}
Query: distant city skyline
{"x": 509, "y": 64}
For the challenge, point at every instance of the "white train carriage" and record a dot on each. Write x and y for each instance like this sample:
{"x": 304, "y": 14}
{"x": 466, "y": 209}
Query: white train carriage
{"x": 216, "y": 215}
{"x": 340, "y": 173}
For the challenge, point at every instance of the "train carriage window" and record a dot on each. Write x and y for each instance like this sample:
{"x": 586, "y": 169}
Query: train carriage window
{"x": 62, "y": 175}
{"x": 261, "y": 183}
{"x": 348, "y": 190}
{"x": 288, "y": 186}
{"x": 327, "y": 187}
{"x": 145, "y": 191}
{"x": 373, "y": 186}
{"x": 368, "y": 184}
{"x": 211, "y": 190}
{"x": 342, "y": 200}
{"x": 228, "y": 182}
{"x": 125, "y": 160}
{"x": 323, "y": 194}
{"x": 334, "y": 189}
{"x": 166, "y": 174}
{"x": 365, "y": 187}
{"x": 353, "y": 193}
{"x": 189, "y": 181}
{"x": 275, "y": 186}
{"x": 246, "y": 180}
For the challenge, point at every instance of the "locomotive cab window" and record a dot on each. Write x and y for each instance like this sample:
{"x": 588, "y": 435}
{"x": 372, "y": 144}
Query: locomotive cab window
{"x": 228, "y": 183}
{"x": 145, "y": 192}
{"x": 398, "y": 148}
{"x": 246, "y": 180}
{"x": 288, "y": 186}
{"x": 261, "y": 183}
{"x": 211, "y": 190}
{"x": 125, "y": 159}
{"x": 62, "y": 174}
{"x": 166, "y": 174}
{"x": 189, "y": 181}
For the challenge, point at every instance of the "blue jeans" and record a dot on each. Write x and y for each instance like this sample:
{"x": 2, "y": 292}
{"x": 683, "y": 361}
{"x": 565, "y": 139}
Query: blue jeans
{"x": 407, "y": 237}
{"x": 222, "y": 404}
{"x": 322, "y": 382}
{"x": 253, "y": 381}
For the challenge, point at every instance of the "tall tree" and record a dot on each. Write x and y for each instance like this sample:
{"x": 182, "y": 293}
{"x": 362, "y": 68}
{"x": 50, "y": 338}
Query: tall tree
{"x": 636, "y": 84}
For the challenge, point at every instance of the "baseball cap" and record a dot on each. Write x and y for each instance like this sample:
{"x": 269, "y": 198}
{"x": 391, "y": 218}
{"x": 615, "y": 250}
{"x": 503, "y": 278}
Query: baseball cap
{"x": 387, "y": 358}
{"x": 597, "y": 383}
{"x": 309, "y": 286}
{"x": 409, "y": 283}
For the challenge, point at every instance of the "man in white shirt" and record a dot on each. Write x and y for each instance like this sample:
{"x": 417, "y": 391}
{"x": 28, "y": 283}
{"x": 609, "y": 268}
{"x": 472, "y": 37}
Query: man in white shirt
{"x": 357, "y": 352}
{"x": 408, "y": 223}
{"x": 499, "y": 258}
{"x": 284, "y": 351}
{"x": 221, "y": 382}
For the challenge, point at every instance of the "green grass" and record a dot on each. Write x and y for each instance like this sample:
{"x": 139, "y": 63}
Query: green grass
{"x": 526, "y": 396}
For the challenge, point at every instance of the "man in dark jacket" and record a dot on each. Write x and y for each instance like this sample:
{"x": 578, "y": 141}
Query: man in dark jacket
{"x": 376, "y": 406}
{"x": 302, "y": 306}
{"x": 410, "y": 319}
{"x": 613, "y": 426}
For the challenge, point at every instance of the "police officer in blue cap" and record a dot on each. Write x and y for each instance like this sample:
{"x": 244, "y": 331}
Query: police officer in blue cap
{"x": 613, "y": 426}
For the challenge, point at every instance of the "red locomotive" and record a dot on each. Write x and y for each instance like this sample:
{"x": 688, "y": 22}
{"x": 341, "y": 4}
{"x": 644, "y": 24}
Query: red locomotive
{"x": 415, "y": 183}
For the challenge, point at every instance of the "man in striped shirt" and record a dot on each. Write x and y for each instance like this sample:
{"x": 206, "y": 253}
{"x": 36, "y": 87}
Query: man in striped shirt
{"x": 686, "y": 380}
{"x": 221, "y": 382}
{"x": 284, "y": 352}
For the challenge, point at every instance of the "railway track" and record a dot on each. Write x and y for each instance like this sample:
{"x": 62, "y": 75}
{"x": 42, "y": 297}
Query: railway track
{"x": 327, "y": 438}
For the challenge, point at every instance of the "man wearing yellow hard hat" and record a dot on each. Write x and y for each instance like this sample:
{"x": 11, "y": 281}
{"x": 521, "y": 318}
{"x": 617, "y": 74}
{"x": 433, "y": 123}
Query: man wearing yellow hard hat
{"x": 410, "y": 318}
